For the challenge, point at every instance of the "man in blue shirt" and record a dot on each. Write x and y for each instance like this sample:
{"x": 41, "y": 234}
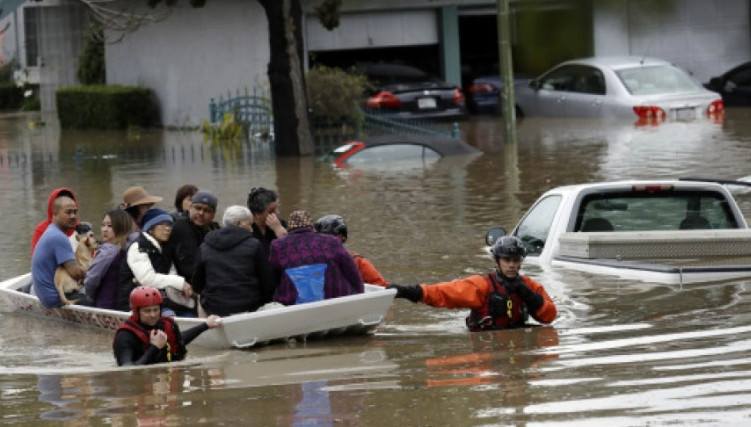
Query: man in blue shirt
{"x": 54, "y": 250}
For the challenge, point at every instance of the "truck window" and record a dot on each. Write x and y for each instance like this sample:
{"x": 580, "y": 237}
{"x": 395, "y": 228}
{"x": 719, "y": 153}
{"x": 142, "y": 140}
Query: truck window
{"x": 658, "y": 210}
{"x": 533, "y": 229}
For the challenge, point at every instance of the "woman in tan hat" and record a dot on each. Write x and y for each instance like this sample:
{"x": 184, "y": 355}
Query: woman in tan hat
{"x": 136, "y": 201}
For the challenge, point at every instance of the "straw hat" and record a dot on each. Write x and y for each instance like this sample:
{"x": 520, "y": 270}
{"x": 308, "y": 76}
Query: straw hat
{"x": 135, "y": 196}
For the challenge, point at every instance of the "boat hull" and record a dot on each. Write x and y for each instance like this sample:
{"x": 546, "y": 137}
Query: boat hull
{"x": 351, "y": 315}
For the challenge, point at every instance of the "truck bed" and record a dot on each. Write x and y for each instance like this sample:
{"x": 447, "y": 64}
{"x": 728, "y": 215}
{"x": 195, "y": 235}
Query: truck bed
{"x": 687, "y": 247}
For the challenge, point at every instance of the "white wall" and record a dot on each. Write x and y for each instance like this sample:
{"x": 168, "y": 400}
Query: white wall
{"x": 705, "y": 37}
{"x": 194, "y": 55}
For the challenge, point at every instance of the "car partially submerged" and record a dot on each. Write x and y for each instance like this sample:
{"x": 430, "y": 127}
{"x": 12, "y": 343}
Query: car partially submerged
{"x": 626, "y": 87}
{"x": 405, "y": 92}
{"x": 397, "y": 148}
{"x": 664, "y": 231}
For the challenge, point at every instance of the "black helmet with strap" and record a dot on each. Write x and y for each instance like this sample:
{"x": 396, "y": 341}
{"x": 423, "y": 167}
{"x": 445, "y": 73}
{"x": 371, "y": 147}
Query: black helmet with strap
{"x": 509, "y": 246}
{"x": 332, "y": 224}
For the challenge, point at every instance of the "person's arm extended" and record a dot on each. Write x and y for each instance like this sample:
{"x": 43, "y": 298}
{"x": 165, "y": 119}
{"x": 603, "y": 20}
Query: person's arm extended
{"x": 212, "y": 321}
{"x": 469, "y": 292}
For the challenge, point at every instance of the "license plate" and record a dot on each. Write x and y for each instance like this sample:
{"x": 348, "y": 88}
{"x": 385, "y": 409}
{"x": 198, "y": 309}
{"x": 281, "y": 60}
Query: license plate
{"x": 423, "y": 103}
{"x": 685, "y": 113}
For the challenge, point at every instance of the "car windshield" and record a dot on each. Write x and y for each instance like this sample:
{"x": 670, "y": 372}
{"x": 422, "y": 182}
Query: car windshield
{"x": 656, "y": 79}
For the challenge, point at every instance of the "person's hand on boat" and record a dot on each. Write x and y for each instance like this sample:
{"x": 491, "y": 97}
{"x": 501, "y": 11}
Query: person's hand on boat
{"x": 411, "y": 292}
{"x": 158, "y": 338}
{"x": 213, "y": 321}
{"x": 187, "y": 290}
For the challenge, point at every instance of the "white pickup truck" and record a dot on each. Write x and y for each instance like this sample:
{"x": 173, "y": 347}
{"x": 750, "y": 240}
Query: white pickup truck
{"x": 665, "y": 231}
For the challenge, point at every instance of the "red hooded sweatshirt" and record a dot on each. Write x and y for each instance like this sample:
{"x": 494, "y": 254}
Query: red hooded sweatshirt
{"x": 42, "y": 226}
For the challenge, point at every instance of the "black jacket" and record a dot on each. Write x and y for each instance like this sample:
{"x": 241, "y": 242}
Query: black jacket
{"x": 160, "y": 260}
{"x": 232, "y": 272}
{"x": 186, "y": 237}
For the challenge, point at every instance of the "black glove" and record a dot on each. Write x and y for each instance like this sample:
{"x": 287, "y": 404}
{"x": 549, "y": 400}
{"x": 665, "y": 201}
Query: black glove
{"x": 412, "y": 293}
{"x": 516, "y": 285}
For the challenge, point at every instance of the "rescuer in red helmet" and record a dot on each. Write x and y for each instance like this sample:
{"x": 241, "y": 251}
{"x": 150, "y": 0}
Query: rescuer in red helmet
{"x": 147, "y": 337}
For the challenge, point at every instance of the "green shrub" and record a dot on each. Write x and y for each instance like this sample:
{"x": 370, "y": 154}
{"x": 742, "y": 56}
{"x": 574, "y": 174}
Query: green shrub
{"x": 11, "y": 96}
{"x": 31, "y": 104}
{"x": 334, "y": 95}
{"x": 107, "y": 107}
{"x": 91, "y": 68}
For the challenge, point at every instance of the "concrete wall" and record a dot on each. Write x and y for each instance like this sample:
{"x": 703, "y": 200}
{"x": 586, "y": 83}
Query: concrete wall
{"x": 194, "y": 55}
{"x": 705, "y": 37}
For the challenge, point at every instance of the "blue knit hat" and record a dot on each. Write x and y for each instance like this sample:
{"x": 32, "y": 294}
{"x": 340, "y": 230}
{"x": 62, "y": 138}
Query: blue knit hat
{"x": 153, "y": 217}
{"x": 206, "y": 197}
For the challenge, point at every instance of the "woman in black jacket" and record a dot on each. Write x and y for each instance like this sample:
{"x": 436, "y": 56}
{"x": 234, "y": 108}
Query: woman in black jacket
{"x": 232, "y": 273}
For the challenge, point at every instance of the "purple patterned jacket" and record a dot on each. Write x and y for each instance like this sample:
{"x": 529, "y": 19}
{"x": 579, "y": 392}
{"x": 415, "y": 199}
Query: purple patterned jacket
{"x": 303, "y": 246}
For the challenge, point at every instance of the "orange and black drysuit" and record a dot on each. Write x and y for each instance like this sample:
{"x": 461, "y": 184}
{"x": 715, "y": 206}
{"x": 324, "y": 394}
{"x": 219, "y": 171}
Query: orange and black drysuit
{"x": 368, "y": 271}
{"x": 497, "y": 302}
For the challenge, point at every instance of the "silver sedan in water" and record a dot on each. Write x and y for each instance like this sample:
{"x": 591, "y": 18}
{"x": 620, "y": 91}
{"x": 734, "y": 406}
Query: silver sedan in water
{"x": 645, "y": 89}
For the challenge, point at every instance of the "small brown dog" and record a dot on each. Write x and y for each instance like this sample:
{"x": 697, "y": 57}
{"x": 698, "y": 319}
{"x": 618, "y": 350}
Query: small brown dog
{"x": 65, "y": 284}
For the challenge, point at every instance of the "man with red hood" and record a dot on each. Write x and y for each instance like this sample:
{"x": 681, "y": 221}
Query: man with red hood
{"x": 42, "y": 226}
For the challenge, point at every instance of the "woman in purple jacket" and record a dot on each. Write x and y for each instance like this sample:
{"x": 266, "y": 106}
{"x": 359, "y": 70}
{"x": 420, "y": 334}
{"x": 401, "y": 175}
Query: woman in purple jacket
{"x": 100, "y": 282}
{"x": 309, "y": 266}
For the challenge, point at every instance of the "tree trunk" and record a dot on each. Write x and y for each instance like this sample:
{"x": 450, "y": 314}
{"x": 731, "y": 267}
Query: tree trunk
{"x": 291, "y": 128}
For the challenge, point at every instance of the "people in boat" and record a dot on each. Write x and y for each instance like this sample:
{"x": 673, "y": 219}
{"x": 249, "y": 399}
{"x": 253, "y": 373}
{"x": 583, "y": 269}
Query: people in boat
{"x": 267, "y": 225}
{"x": 136, "y": 201}
{"x": 309, "y": 266}
{"x": 499, "y": 300}
{"x": 232, "y": 273}
{"x": 183, "y": 198}
{"x": 101, "y": 279}
{"x": 149, "y": 262}
{"x": 188, "y": 232}
{"x": 42, "y": 226}
{"x": 148, "y": 337}
{"x": 335, "y": 225}
{"x": 54, "y": 250}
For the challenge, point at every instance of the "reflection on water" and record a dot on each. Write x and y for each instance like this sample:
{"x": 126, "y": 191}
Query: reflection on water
{"x": 620, "y": 353}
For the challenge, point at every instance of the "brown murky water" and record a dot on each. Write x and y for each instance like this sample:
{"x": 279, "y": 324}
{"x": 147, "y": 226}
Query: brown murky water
{"x": 620, "y": 353}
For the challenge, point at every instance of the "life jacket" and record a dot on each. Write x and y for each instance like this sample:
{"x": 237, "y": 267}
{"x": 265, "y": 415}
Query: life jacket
{"x": 500, "y": 309}
{"x": 165, "y": 323}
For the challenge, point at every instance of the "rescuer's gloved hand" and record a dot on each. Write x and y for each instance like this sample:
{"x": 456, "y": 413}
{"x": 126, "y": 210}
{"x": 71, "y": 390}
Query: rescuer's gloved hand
{"x": 412, "y": 292}
{"x": 516, "y": 285}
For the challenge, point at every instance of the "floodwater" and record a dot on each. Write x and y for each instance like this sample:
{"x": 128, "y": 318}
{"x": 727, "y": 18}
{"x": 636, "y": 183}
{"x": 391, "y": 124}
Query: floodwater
{"x": 620, "y": 353}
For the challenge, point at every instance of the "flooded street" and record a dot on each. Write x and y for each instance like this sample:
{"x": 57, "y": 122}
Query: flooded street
{"x": 620, "y": 353}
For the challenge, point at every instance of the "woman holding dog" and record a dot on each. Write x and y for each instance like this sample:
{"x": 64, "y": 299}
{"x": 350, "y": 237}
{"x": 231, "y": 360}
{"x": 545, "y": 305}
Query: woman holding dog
{"x": 101, "y": 279}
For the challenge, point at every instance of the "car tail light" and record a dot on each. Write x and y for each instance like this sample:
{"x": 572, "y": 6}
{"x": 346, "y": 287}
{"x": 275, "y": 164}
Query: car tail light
{"x": 458, "y": 96}
{"x": 716, "y": 108}
{"x": 383, "y": 99}
{"x": 649, "y": 112}
{"x": 482, "y": 88}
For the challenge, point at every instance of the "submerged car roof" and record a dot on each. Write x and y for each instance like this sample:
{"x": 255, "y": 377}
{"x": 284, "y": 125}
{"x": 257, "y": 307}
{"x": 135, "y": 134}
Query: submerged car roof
{"x": 445, "y": 145}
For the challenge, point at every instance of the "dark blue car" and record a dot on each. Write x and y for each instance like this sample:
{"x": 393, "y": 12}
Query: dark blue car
{"x": 485, "y": 92}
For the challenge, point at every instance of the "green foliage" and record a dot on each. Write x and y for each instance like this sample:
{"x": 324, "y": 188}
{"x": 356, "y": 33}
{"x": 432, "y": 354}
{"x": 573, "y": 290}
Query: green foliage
{"x": 91, "y": 67}
{"x": 31, "y": 104}
{"x": 107, "y": 107}
{"x": 334, "y": 95}
{"x": 328, "y": 13}
{"x": 11, "y": 96}
{"x": 6, "y": 71}
{"x": 230, "y": 129}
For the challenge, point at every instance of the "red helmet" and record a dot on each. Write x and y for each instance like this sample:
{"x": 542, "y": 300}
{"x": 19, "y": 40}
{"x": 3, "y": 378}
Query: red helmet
{"x": 143, "y": 296}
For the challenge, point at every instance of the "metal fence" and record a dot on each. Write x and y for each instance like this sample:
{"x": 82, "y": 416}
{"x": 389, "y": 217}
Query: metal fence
{"x": 254, "y": 111}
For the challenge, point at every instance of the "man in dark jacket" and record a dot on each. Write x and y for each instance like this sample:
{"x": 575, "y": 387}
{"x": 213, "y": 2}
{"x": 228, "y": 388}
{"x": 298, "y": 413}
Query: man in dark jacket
{"x": 232, "y": 272}
{"x": 188, "y": 232}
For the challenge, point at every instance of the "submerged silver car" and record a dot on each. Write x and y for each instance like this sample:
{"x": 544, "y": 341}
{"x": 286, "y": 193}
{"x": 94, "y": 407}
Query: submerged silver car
{"x": 645, "y": 89}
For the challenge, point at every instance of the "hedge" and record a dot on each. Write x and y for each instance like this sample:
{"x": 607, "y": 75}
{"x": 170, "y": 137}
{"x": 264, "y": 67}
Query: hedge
{"x": 11, "y": 96}
{"x": 107, "y": 107}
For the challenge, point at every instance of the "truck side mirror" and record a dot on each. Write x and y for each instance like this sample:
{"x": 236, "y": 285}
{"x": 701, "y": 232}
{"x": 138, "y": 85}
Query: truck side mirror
{"x": 493, "y": 234}
{"x": 534, "y": 84}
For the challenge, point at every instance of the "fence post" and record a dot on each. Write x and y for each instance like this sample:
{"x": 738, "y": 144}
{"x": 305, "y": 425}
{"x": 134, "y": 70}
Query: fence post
{"x": 455, "y": 132}
{"x": 212, "y": 111}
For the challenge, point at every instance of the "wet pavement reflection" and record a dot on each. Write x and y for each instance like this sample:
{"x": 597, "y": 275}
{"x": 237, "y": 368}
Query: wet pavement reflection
{"x": 620, "y": 353}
